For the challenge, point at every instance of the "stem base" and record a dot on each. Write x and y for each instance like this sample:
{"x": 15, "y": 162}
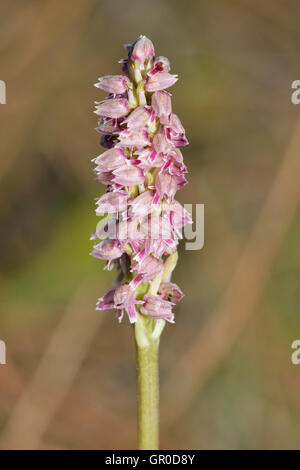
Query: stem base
{"x": 148, "y": 396}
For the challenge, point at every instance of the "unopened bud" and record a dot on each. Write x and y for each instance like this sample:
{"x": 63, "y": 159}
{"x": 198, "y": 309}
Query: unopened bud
{"x": 141, "y": 50}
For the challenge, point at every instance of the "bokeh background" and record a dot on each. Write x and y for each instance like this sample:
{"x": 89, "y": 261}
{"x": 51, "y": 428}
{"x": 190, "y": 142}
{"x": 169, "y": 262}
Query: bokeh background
{"x": 227, "y": 379}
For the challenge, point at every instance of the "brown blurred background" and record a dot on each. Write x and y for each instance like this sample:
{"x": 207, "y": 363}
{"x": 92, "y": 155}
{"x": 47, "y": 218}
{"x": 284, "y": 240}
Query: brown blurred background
{"x": 227, "y": 380}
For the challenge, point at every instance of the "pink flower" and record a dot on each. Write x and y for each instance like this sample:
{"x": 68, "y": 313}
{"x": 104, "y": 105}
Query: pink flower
{"x": 160, "y": 142}
{"x": 104, "y": 177}
{"x": 113, "y": 83}
{"x": 171, "y": 292}
{"x": 113, "y": 108}
{"x": 159, "y": 246}
{"x": 138, "y": 118}
{"x": 128, "y": 175}
{"x": 175, "y": 132}
{"x": 129, "y": 230}
{"x": 134, "y": 138}
{"x": 142, "y": 205}
{"x": 108, "y": 126}
{"x": 160, "y": 81}
{"x": 161, "y": 64}
{"x": 110, "y": 159}
{"x": 143, "y": 155}
{"x": 166, "y": 185}
{"x": 107, "y": 301}
{"x": 158, "y": 308}
{"x": 157, "y": 227}
{"x": 125, "y": 300}
{"x": 112, "y": 202}
{"x": 162, "y": 106}
{"x": 149, "y": 267}
{"x": 176, "y": 214}
{"x": 176, "y": 156}
{"x": 107, "y": 250}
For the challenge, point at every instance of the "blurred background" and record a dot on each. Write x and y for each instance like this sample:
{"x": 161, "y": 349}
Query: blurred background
{"x": 227, "y": 381}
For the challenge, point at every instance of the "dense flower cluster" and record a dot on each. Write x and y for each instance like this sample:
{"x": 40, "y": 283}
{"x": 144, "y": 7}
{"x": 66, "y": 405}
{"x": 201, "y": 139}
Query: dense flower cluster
{"x": 142, "y": 170}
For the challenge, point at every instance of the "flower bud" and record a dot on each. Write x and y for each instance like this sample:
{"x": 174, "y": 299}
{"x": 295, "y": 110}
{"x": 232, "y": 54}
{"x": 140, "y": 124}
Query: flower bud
{"x": 141, "y": 50}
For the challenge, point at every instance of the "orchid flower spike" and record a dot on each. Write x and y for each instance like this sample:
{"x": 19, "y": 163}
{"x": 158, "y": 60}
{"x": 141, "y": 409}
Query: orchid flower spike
{"x": 142, "y": 169}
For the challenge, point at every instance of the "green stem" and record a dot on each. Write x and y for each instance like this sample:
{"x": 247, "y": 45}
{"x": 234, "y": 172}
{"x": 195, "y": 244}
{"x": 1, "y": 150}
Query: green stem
{"x": 148, "y": 396}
